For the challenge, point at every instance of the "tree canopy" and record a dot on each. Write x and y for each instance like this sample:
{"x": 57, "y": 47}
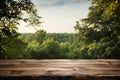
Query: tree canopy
{"x": 98, "y": 35}
{"x": 11, "y": 12}
{"x": 104, "y": 16}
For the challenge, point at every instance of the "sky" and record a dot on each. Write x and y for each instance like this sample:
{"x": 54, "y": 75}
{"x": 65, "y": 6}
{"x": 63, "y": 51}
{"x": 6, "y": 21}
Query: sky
{"x": 58, "y": 16}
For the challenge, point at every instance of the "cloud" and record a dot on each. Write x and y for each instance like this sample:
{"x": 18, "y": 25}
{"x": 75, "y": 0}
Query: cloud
{"x": 52, "y": 3}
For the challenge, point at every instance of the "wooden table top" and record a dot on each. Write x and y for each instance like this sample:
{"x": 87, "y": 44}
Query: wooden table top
{"x": 96, "y": 69}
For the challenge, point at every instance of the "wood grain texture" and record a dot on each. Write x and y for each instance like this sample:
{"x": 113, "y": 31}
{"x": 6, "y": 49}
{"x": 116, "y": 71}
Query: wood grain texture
{"x": 64, "y": 69}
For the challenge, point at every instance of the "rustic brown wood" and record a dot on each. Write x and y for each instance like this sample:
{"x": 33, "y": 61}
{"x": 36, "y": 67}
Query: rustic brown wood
{"x": 98, "y": 69}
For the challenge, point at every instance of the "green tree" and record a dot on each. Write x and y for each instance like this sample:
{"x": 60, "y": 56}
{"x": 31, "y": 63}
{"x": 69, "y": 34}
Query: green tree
{"x": 34, "y": 50}
{"x": 98, "y": 34}
{"x": 52, "y": 48}
{"x": 14, "y": 48}
{"x": 49, "y": 49}
{"x": 64, "y": 49}
{"x": 12, "y": 11}
{"x": 40, "y": 36}
{"x": 105, "y": 19}
{"x": 85, "y": 34}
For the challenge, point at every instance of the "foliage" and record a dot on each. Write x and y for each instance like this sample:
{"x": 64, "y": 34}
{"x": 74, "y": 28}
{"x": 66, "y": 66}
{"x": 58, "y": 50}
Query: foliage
{"x": 105, "y": 19}
{"x": 47, "y": 45}
{"x": 105, "y": 48}
{"x": 61, "y": 37}
{"x": 11, "y": 12}
{"x": 40, "y": 36}
{"x": 52, "y": 48}
{"x": 48, "y": 49}
{"x": 14, "y": 48}
{"x": 96, "y": 37}
{"x": 64, "y": 49}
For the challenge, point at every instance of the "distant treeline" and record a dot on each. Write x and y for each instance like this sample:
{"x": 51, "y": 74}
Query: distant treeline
{"x": 60, "y": 37}
{"x": 42, "y": 45}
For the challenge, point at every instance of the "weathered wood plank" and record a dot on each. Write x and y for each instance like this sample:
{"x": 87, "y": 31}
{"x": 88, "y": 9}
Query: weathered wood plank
{"x": 99, "y": 69}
